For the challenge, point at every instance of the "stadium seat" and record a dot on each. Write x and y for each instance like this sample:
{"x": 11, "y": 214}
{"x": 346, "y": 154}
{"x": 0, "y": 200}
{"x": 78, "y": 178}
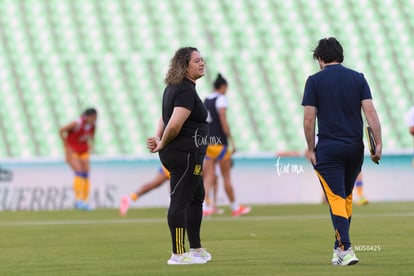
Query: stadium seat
{"x": 59, "y": 57}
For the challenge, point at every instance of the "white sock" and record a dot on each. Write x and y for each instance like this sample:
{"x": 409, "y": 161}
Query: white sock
{"x": 234, "y": 206}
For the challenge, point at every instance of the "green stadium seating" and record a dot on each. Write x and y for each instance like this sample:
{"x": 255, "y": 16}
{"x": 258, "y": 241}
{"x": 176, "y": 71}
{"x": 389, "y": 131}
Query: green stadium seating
{"x": 60, "y": 57}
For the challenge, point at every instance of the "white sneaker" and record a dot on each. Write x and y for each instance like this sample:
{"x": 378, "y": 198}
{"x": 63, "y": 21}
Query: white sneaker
{"x": 185, "y": 259}
{"x": 200, "y": 253}
{"x": 335, "y": 256}
{"x": 347, "y": 257}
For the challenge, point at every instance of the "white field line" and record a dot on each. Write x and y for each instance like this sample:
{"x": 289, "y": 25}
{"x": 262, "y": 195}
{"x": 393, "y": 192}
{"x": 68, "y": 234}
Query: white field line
{"x": 209, "y": 219}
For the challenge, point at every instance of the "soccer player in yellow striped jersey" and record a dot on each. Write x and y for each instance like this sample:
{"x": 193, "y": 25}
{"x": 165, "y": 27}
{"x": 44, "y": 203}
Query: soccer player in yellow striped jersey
{"x": 217, "y": 150}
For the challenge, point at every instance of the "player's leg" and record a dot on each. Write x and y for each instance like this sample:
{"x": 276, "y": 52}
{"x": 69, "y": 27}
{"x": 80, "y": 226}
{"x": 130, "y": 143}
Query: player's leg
{"x": 225, "y": 167}
{"x": 73, "y": 161}
{"x": 210, "y": 201}
{"x": 85, "y": 167}
{"x": 214, "y": 190}
{"x": 158, "y": 180}
{"x": 359, "y": 187}
{"x": 208, "y": 178}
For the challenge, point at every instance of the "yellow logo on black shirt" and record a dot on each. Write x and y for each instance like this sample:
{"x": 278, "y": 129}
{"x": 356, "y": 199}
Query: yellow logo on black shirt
{"x": 197, "y": 170}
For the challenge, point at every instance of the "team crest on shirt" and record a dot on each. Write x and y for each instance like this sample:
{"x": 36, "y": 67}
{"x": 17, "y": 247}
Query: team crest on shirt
{"x": 197, "y": 170}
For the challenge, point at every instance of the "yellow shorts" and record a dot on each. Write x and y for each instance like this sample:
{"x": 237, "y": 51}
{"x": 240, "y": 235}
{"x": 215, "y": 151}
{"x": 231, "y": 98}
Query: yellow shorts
{"x": 165, "y": 171}
{"x": 81, "y": 156}
{"x": 218, "y": 152}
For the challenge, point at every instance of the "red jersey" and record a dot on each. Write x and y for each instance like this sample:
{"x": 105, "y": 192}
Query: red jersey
{"x": 78, "y": 138}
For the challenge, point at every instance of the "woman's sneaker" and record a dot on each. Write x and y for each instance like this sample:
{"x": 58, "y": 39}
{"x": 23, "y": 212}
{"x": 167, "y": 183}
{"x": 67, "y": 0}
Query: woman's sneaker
{"x": 200, "y": 253}
{"x": 185, "y": 259}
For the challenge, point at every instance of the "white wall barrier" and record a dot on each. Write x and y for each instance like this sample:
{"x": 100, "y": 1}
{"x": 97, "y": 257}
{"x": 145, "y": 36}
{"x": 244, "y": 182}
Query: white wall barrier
{"x": 47, "y": 184}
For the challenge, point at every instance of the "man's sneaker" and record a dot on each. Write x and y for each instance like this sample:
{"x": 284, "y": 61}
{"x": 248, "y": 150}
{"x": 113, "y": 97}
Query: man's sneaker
{"x": 243, "y": 210}
{"x": 200, "y": 253}
{"x": 347, "y": 257}
{"x": 123, "y": 208}
{"x": 335, "y": 256}
{"x": 185, "y": 259}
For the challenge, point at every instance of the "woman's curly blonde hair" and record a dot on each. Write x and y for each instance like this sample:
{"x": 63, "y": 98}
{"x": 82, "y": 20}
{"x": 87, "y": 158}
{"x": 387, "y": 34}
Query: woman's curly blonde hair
{"x": 178, "y": 65}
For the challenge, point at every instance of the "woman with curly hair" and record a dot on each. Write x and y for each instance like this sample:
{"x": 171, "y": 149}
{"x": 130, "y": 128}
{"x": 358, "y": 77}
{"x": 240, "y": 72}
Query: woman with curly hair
{"x": 181, "y": 141}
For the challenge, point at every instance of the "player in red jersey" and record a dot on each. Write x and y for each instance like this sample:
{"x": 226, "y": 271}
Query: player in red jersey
{"x": 77, "y": 137}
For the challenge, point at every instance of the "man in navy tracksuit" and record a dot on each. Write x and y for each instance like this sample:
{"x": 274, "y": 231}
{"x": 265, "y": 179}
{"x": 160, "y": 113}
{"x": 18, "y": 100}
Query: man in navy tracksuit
{"x": 335, "y": 96}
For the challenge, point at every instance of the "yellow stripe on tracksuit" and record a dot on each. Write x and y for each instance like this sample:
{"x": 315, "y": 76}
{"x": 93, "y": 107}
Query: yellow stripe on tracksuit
{"x": 339, "y": 206}
{"x": 179, "y": 240}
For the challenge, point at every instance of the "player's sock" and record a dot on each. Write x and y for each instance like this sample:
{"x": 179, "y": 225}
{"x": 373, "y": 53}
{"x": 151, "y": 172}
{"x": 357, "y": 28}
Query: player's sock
{"x": 360, "y": 193}
{"x": 134, "y": 196}
{"x": 234, "y": 206}
{"x": 359, "y": 188}
{"x": 78, "y": 186}
{"x": 86, "y": 187}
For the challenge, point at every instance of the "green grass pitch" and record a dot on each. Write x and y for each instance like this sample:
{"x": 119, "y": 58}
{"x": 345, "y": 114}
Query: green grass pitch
{"x": 272, "y": 240}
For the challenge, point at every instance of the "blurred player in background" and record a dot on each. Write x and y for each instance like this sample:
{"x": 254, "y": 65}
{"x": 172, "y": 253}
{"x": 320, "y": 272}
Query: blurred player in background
{"x": 334, "y": 96}
{"x": 410, "y": 123}
{"x": 410, "y": 120}
{"x": 211, "y": 194}
{"x": 359, "y": 188}
{"x": 77, "y": 139}
{"x": 180, "y": 142}
{"x": 218, "y": 151}
{"x": 162, "y": 176}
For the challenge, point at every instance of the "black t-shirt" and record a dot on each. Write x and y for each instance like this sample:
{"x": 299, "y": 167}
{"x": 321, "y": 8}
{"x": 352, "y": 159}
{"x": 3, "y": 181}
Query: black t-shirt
{"x": 193, "y": 136}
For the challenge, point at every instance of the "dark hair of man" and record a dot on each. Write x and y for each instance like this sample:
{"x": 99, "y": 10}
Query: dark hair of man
{"x": 329, "y": 50}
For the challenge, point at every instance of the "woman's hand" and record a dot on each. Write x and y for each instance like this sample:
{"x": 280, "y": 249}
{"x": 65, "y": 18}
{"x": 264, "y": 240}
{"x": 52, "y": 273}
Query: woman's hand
{"x": 154, "y": 144}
